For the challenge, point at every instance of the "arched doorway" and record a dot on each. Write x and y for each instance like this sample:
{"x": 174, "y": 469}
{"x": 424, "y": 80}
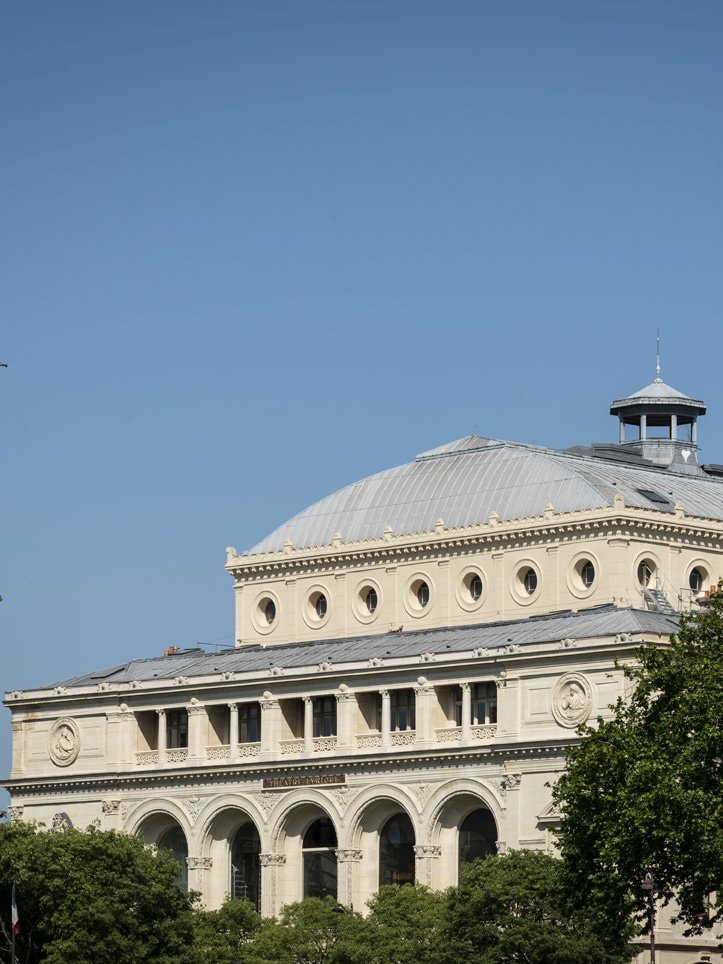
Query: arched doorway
{"x": 396, "y": 851}
{"x": 173, "y": 840}
{"x": 477, "y": 836}
{"x": 319, "y": 859}
{"x": 246, "y": 865}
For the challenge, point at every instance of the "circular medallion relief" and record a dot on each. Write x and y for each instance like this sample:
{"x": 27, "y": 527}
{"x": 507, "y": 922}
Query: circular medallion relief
{"x": 64, "y": 742}
{"x": 572, "y": 700}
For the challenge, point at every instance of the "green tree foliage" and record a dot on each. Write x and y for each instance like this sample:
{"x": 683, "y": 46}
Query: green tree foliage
{"x": 405, "y": 926}
{"x": 221, "y": 935}
{"x": 91, "y": 896}
{"x": 313, "y": 931}
{"x": 642, "y": 792}
{"x": 513, "y": 908}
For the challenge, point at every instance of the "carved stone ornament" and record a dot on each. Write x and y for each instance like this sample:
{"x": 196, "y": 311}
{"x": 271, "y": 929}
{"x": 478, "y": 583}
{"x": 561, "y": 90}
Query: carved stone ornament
{"x": 61, "y": 820}
{"x": 267, "y": 801}
{"x": 572, "y": 700}
{"x": 348, "y": 856}
{"x": 342, "y": 795}
{"x": 427, "y": 850}
{"x": 15, "y": 813}
{"x": 272, "y": 860}
{"x": 111, "y": 806}
{"x": 199, "y": 863}
{"x": 193, "y": 807}
{"x": 421, "y": 792}
{"x": 64, "y": 742}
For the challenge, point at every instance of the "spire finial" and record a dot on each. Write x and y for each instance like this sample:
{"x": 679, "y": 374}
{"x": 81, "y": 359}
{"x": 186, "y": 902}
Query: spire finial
{"x": 657, "y": 361}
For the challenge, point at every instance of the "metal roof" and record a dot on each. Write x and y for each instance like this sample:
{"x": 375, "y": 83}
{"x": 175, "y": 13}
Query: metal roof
{"x": 600, "y": 621}
{"x": 463, "y": 482}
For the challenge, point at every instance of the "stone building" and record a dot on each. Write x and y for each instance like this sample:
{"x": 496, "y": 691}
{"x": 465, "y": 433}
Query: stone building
{"x": 413, "y": 655}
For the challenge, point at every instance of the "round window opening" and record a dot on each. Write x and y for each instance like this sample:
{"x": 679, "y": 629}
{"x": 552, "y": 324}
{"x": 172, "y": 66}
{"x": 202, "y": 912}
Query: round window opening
{"x": 474, "y": 586}
{"x": 419, "y": 595}
{"x": 269, "y": 609}
{"x": 528, "y": 577}
{"x": 645, "y": 572}
{"x": 371, "y": 600}
{"x": 696, "y": 579}
{"x": 587, "y": 573}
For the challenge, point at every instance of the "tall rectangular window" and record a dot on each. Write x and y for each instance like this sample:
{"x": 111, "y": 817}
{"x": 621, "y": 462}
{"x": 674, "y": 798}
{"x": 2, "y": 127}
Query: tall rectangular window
{"x": 249, "y": 723}
{"x": 324, "y": 715}
{"x": 484, "y": 703}
{"x": 176, "y": 729}
{"x": 402, "y": 706}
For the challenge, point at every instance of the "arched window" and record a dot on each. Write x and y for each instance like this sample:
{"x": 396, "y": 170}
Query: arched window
{"x": 477, "y": 836}
{"x": 174, "y": 841}
{"x": 396, "y": 851}
{"x": 246, "y": 866}
{"x": 320, "y": 859}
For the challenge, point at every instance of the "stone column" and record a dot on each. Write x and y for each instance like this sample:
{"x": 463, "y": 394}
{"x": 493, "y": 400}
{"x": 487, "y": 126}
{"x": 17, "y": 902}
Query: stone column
{"x": 162, "y": 736}
{"x": 422, "y": 723}
{"x": 233, "y": 732}
{"x": 308, "y": 725}
{"x": 197, "y": 731}
{"x": 508, "y": 705}
{"x": 425, "y": 855}
{"x": 643, "y": 427}
{"x": 18, "y": 747}
{"x": 346, "y": 707}
{"x": 386, "y": 719}
{"x": 270, "y": 870}
{"x": 466, "y": 712}
{"x": 674, "y": 427}
{"x": 270, "y": 726}
{"x": 198, "y": 873}
{"x": 345, "y": 860}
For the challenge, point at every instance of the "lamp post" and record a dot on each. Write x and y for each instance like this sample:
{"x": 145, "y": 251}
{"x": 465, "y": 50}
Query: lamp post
{"x": 648, "y": 886}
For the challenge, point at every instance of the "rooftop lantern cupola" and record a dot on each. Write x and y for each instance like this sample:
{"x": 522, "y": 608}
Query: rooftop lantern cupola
{"x": 660, "y": 424}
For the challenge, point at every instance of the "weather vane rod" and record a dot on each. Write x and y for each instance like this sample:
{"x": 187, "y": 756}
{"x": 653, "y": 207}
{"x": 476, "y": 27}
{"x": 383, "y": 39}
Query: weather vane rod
{"x": 657, "y": 361}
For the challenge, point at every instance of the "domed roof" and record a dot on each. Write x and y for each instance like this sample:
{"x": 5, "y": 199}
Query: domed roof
{"x": 657, "y": 393}
{"x": 466, "y": 481}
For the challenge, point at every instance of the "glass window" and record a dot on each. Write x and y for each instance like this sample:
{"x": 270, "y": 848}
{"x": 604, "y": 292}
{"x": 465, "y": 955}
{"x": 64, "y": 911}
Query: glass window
{"x": 530, "y": 581}
{"x": 423, "y": 594}
{"x": 587, "y": 574}
{"x": 320, "y": 606}
{"x": 695, "y": 580}
{"x": 402, "y": 706}
{"x": 319, "y": 857}
{"x": 174, "y": 841}
{"x": 324, "y": 708}
{"x": 396, "y": 851}
{"x": 270, "y": 611}
{"x": 246, "y": 865}
{"x": 176, "y": 729}
{"x": 477, "y": 836}
{"x": 249, "y": 723}
{"x": 484, "y": 703}
{"x": 475, "y": 587}
{"x": 371, "y": 600}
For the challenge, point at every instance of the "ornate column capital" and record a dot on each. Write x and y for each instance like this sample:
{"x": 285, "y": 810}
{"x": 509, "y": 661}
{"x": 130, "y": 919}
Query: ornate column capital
{"x": 422, "y": 851}
{"x": 348, "y": 856}
{"x": 272, "y": 860}
{"x": 199, "y": 863}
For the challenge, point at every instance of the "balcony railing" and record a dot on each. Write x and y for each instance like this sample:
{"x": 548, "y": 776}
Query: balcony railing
{"x": 453, "y": 734}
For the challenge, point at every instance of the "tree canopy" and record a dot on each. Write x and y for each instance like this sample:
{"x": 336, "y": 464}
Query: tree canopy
{"x": 512, "y": 907}
{"x": 91, "y": 896}
{"x": 642, "y": 792}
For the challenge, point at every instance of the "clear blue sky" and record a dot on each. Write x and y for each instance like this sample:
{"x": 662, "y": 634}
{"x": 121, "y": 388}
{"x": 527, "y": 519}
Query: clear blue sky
{"x": 254, "y": 251}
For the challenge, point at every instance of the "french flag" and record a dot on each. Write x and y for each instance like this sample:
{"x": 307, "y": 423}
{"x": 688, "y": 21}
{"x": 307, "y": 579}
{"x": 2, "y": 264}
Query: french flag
{"x": 14, "y": 913}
